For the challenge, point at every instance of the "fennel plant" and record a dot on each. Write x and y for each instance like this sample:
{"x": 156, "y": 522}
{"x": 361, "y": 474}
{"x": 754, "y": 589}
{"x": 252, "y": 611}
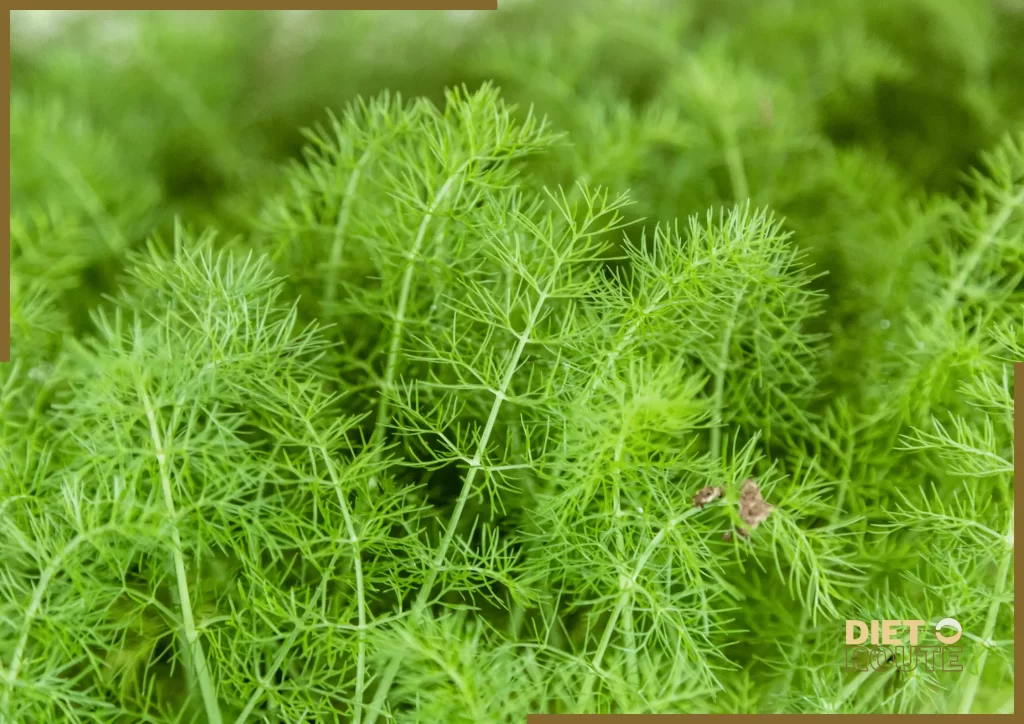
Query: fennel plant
{"x": 403, "y": 418}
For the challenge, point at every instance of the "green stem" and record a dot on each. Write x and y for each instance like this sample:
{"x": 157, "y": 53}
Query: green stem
{"x": 734, "y": 162}
{"x": 397, "y": 331}
{"x": 630, "y": 333}
{"x": 548, "y": 610}
{"x": 805, "y": 616}
{"x": 626, "y": 586}
{"x": 192, "y": 640}
{"x": 968, "y": 266}
{"x": 870, "y": 696}
{"x": 89, "y": 199}
{"x": 629, "y": 633}
{"x": 261, "y": 686}
{"x": 263, "y": 683}
{"x": 35, "y": 604}
{"x": 338, "y": 243}
{"x": 475, "y": 464}
{"x": 970, "y": 689}
{"x": 851, "y": 688}
{"x": 718, "y": 398}
{"x": 360, "y": 592}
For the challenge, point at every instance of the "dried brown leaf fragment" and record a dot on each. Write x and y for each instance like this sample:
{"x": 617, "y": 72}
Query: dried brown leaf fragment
{"x": 706, "y": 495}
{"x": 754, "y": 509}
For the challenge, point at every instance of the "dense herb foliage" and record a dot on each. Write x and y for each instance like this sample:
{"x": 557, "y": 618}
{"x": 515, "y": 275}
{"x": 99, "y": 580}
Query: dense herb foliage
{"x": 402, "y": 418}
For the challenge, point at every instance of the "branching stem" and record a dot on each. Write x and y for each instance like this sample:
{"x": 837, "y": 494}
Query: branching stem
{"x": 737, "y": 173}
{"x": 623, "y": 602}
{"x": 970, "y": 264}
{"x": 192, "y": 641}
{"x": 423, "y": 597}
{"x": 722, "y": 367}
{"x": 397, "y": 331}
{"x": 632, "y": 669}
{"x": 360, "y": 592}
{"x": 36, "y": 602}
{"x": 90, "y": 200}
{"x": 970, "y": 689}
{"x": 340, "y": 228}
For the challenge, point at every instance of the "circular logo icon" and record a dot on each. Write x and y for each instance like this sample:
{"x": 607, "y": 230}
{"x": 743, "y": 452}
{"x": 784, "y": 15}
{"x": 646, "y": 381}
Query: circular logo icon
{"x": 948, "y": 623}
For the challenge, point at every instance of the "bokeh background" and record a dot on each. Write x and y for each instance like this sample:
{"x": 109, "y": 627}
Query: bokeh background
{"x": 836, "y": 114}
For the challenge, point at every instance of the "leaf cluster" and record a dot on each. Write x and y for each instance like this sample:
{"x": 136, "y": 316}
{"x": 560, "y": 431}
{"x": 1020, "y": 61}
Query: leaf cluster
{"x": 402, "y": 418}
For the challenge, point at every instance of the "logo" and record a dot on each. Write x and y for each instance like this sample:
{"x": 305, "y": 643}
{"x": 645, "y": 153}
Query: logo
{"x": 883, "y": 645}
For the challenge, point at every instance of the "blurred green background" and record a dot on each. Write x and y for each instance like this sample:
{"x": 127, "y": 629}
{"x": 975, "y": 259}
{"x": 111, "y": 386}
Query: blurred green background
{"x": 836, "y": 113}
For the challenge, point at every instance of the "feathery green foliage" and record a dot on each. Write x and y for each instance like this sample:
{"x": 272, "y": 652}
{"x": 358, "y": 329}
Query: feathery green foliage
{"x": 401, "y": 418}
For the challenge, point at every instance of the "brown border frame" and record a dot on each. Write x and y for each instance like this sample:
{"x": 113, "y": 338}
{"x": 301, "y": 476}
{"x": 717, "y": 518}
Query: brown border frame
{"x": 307, "y": 5}
{"x": 5, "y": 331}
